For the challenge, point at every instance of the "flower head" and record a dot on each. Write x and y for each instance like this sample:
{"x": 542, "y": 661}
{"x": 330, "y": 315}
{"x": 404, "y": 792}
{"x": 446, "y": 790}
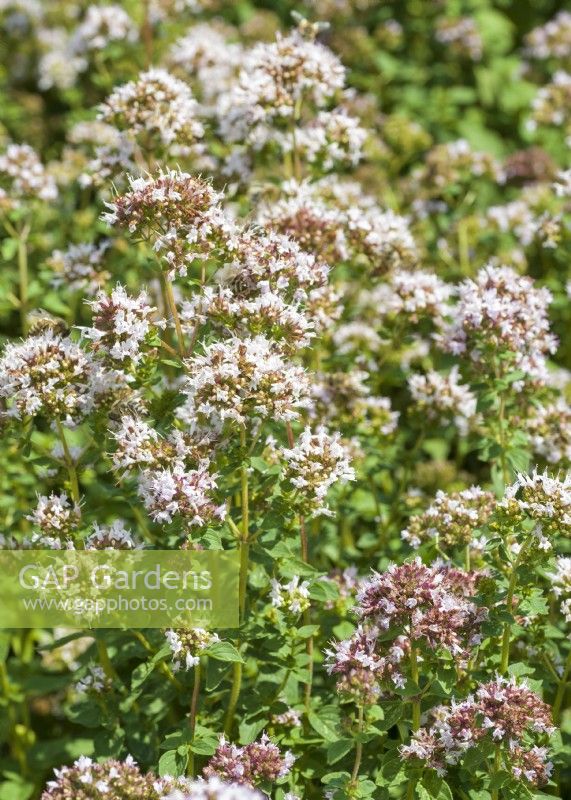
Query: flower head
{"x": 47, "y": 375}
{"x": 242, "y": 380}
{"x": 178, "y": 214}
{"x": 186, "y": 645}
{"x": 122, "y": 324}
{"x": 312, "y": 466}
{"x": 155, "y": 105}
{"x": 249, "y": 765}
{"x": 452, "y": 518}
{"x": 23, "y": 177}
{"x": 293, "y": 597}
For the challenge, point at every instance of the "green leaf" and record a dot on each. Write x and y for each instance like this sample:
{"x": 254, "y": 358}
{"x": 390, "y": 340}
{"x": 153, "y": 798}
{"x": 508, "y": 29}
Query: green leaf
{"x": 142, "y": 672}
{"x": 204, "y": 745}
{"x": 392, "y": 712}
{"x": 4, "y": 645}
{"x": 323, "y": 728}
{"x": 173, "y": 762}
{"x": 499, "y": 778}
{"x": 223, "y": 651}
{"x": 249, "y": 729}
{"x": 12, "y": 790}
{"x": 323, "y": 591}
{"x": 306, "y": 631}
{"x": 336, "y": 750}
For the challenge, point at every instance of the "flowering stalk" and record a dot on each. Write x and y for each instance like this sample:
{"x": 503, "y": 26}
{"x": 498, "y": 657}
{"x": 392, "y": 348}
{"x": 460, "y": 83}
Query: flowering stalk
{"x": 192, "y": 715}
{"x": 244, "y": 545}
{"x": 21, "y": 238}
{"x": 105, "y": 661}
{"x": 72, "y": 472}
{"x": 23, "y": 274}
{"x": 16, "y": 748}
{"x": 561, "y": 689}
{"x": 415, "y": 705}
{"x": 414, "y": 675}
{"x": 505, "y": 654}
{"x": 497, "y": 768}
{"x": 170, "y": 301}
{"x": 359, "y": 748}
{"x": 307, "y": 612}
{"x": 502, "y": 442}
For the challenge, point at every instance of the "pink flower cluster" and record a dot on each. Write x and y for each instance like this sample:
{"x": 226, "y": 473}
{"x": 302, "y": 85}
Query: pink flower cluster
{"x": 249, "y": 765}
{"x": 501, "y": 711}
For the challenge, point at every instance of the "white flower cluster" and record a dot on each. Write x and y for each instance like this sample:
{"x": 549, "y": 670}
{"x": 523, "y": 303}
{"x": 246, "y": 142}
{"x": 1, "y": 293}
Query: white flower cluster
{"x": 187, "y": 645}
{"x": 332, "y": 139}
{"x": 47, "y": 375}
{"x": 500, "y": 311}
{"x": 178, "y": 214}
{"x": 451, "y": 519}
{"x": 61, "y": 63}
{"x": 80, "y": 267}
{"x": 115, "y": 536}
{"x": 442, "y": 397}
{"x": 545, "y": 499}
{"x": 94, "y": 680}
{"x": 293, "y": 597}
{"x": 177, "y": 491}
{"x": 549, "y": 430}
{"x": 313, "y": 465}
{"x": 243, "y": 380}
{"x": 267, "y": 286}
{"x": 23, "y": 177}
{"x": 526, "y": 219}
{"x": 415, "y": 294}
{"x": 102, "y": 25}
{"x": 213, "y": 788}
{"x": 552, "y": 40}
{"x": 340, "y": 397}
{"x": 110, "y": 154}
{"x": 121, "y": 324}
{"x": 55, "y": 515}
{"x": 462, "y": 36}
{"x": 205, "y": 54}
{"x": 173, "y": 472}
{"x": 337, "y": 222}
{"x": 562, "y": 183}
{"x": 275, "y": 79}
{"x": 551, "y": 104}
{"x": 155, "y": 104}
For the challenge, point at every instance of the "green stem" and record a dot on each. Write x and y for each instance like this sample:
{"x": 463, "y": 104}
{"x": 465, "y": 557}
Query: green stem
{"x": 505, "y": 657}
{"x": 244, "y": 546}
{"x": 234, "y": 695}
{"x": 415, "y": 705}
{"x": 359, "y": 748}
{"x": 23, "y": 277}
{"x": 105, "y": 661}
{"x": 467, "y": 565}
{"x": 169, "y": 297}
{"x": 561, "y": 689}
{"x": 192, "y": 715}
{"x": 71, "y": 471}
{"x": 497, "y": 767}
{"x": 244, "y": 543}
{"x": 415, "y": 677}
{"x": 463, "y": 247}
{"x": 15, "y": 744}
{"x": 307, "y": 613}
{"x": 502, "y": 442}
